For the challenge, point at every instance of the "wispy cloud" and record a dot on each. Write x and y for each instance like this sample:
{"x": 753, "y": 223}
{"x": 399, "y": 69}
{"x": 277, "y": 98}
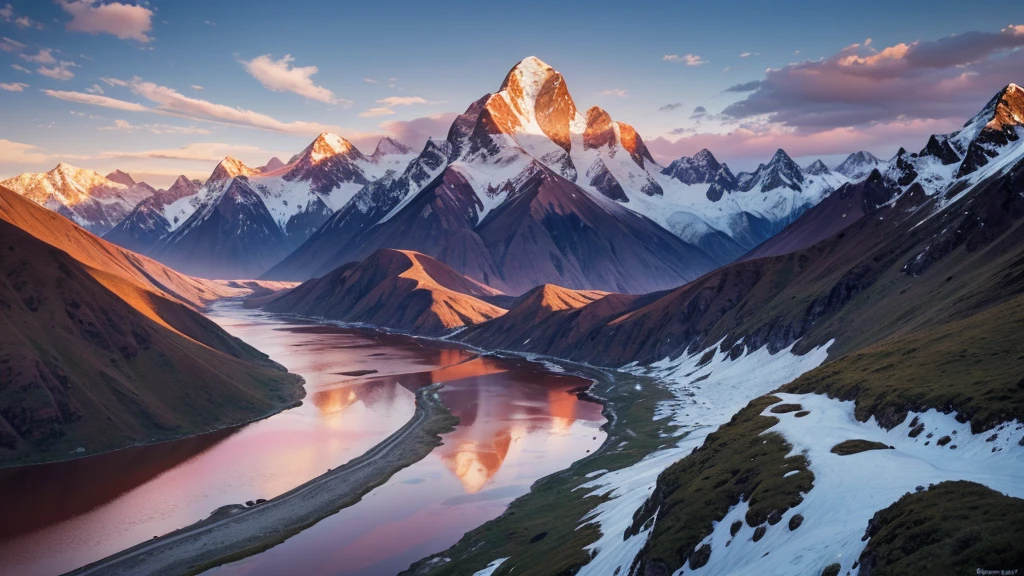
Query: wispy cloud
{"x": 744, "y": 87}
{"x": 402, "y": 101}
{"x": 671, "y": 107}
{"x": 13, "y": 86}
{"x": 617, "y": 92}
{"x": 44, "y": 56}
{"x": 125, "y": 126}
{"x": 95, "y": 89}
{"x": 7, "y": 15}
{"x": 125, "y": 21}
{"x": 18, "y": 153}
{"x": 688, "y": 59}
{"x": 21, "y": 68}
{"x": 749, "y": 54}
{"x": 62, "y": 71}
{"x": 169, "y": 101}
{"x": 201, "y": 152}
{"x": 10, "y": 45}
{"x": 96, "y": 100}
{"x": 374, "y": 112}
{"x": 281, "y": 76}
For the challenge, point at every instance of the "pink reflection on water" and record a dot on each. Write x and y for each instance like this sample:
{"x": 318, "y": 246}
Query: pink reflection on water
{"x": 518, "y": 423}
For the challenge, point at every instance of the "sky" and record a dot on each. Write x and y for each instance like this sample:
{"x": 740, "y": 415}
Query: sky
{"x": 170, "y": 87}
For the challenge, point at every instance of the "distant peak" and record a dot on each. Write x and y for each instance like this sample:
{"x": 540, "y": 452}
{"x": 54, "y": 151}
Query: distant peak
{"x": 325, "y": 146}
{"x": 229, "y": 168}
{"x": 388, "y": 145}
{"x": 704, "y": 155}
{"x": 121, "y": 178}
{"x": 274, "y": 163}
{"x": 817, "y": 168}
{"x": 1009, "y": 108}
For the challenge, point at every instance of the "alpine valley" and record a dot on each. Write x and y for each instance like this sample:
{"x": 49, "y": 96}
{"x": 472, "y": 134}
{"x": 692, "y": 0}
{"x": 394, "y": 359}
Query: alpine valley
{"x": 810, "y": 370}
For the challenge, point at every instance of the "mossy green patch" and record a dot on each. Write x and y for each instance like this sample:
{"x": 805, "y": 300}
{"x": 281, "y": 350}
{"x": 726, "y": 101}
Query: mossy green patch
{"x": 848, "y": 447}
{"x": 738, "y": 462}
{"x": 952, "y": 528}
{"x": 972, "y": 366}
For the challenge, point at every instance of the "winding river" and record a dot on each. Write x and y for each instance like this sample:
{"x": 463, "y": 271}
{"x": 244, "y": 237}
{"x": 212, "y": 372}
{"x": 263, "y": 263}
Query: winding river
{"x": 519, "y": 421}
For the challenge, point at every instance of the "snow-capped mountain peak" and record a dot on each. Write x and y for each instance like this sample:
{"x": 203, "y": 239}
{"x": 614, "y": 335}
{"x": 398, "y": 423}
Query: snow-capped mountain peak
{"x": 780, "y": 171}
{"x": 388, "y": 146}
{"x": 858, "y": 165}
{"x": 701, "y": 168}
{"x": 533, "y": 99}
{"x": 227, "y": 169}
{"x": 84, "y": 195}
{"x": 817, "y": 168}
{"x": 121, "y": 178}
{"x": 325, "y": 146}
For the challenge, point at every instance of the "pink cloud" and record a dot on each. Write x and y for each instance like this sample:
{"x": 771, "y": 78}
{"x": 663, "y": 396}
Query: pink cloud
{"x": 941, "y": 79}
{"x": 126, "y": 21}
{"x": 416, "y": 131}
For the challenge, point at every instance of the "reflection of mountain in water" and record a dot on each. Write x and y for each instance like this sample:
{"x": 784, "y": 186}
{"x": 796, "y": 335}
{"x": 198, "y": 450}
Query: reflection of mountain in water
{"x": 498, "y": 409}
{"x": 498, "y": 402}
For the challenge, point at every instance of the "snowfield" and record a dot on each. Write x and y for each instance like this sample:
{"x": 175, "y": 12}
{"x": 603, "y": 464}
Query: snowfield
{"x": 705, "y": 398}
{"x": 848, "y": 490}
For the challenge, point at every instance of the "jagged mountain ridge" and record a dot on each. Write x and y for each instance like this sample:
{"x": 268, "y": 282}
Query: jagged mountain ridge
{"x": 232, "y": 235}
{"x": 494, "y": 148}
{"x": 86, "y": 197}
{"x": 298, "y": 197}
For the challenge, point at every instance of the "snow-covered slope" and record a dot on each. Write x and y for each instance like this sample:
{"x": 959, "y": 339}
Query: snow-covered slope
{"x": 88, "y": 198}
{"x": 849, "y": 489}
{"x": 231, "y": 235}
{"x": 147, "y": 223}
{"x": 949, "y": 164}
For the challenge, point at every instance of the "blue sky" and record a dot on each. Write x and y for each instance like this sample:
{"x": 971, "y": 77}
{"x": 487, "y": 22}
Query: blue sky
{"x": 649, "y": 64}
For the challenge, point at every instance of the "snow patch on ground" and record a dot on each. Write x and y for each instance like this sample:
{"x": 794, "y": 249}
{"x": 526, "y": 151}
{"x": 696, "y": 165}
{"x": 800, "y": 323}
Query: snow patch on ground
{"x": 706, "y": 396}
{"x": 848, "y": 490}
{"x": 490, "y": 568}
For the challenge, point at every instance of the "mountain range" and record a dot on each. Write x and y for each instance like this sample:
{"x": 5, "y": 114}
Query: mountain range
{"x": 592, "y": 208}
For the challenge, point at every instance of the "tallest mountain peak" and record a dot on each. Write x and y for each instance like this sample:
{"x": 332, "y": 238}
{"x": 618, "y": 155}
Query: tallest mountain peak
{"x": 531, "y": 66}
{"x": 532, "y": 95}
